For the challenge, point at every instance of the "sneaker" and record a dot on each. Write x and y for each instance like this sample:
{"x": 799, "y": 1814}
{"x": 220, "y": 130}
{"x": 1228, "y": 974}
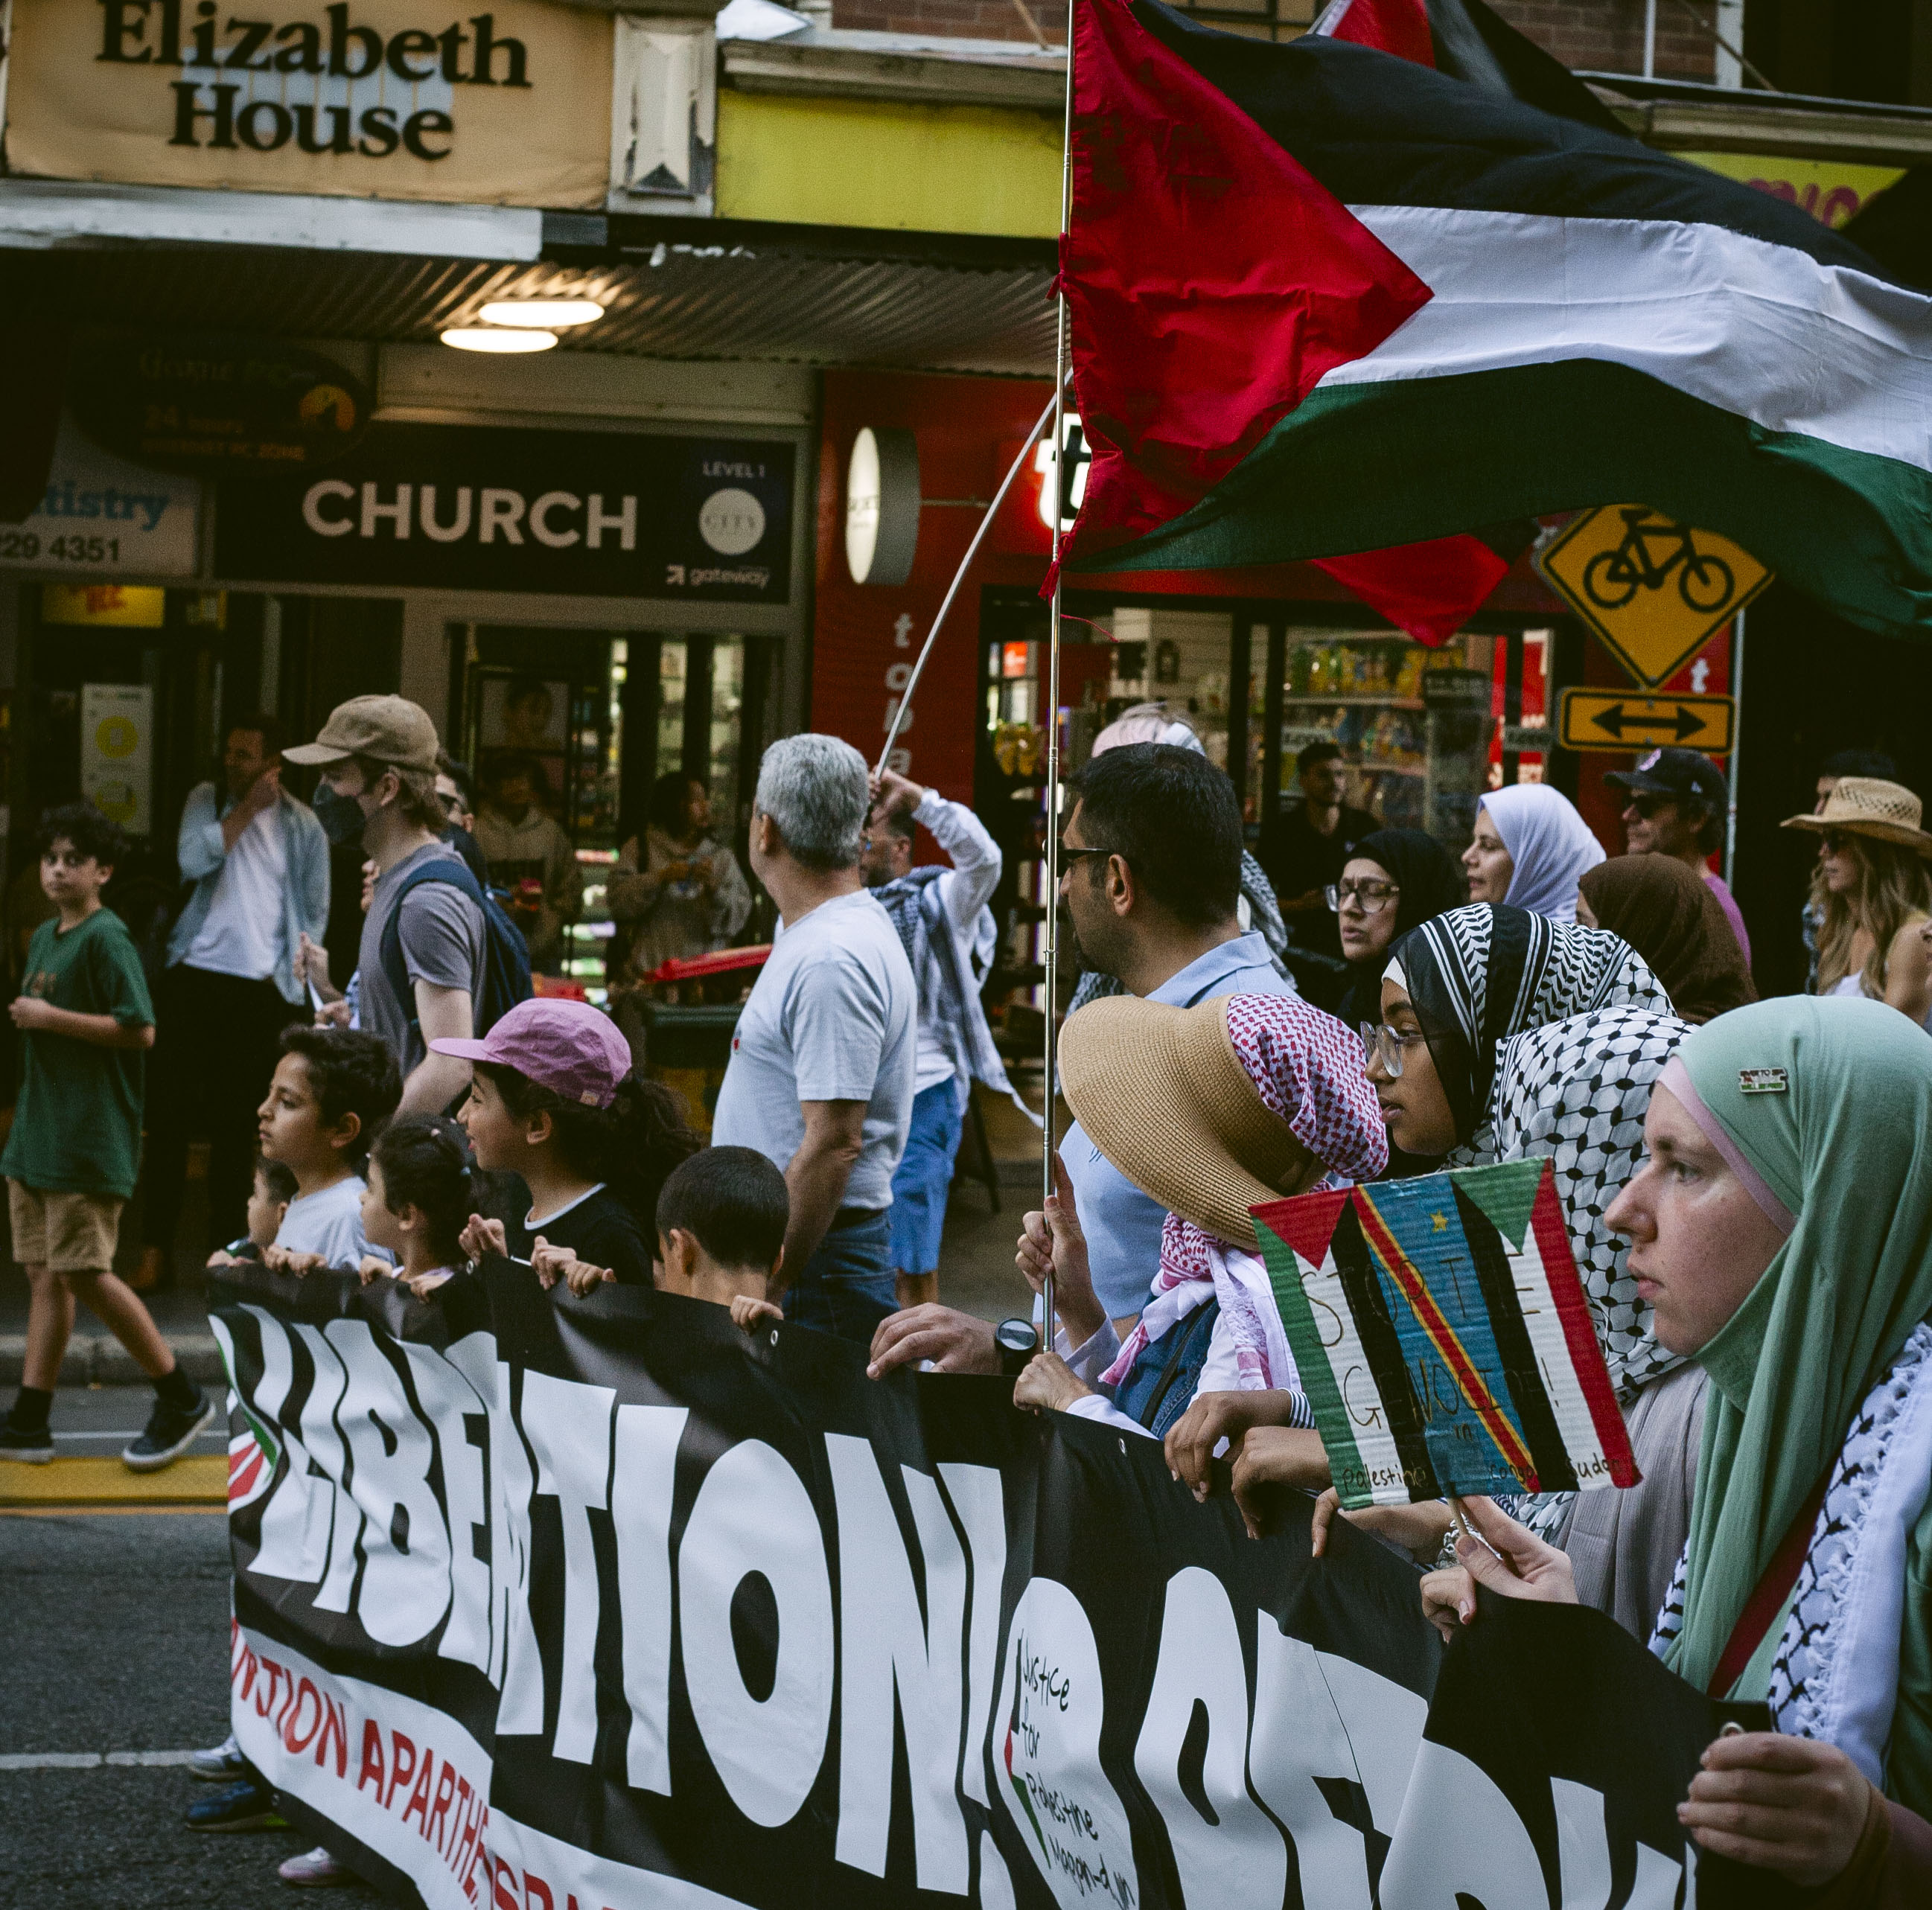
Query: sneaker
{"x": 316, "y": 1869}
{"x": 243, "y": 1806}
{"x": 223, "y": 1764}
{"x": 170, "y": 1431}
{"x": 34, "y": 1448}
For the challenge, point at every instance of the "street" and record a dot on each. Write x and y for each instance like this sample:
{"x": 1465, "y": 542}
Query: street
{"x": 114, "y": 1634}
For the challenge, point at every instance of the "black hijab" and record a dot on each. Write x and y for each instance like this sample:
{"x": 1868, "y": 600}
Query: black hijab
{"x": 1431, "y": 883}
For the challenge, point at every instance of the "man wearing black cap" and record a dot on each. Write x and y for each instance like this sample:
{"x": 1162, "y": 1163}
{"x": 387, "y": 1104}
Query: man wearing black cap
{"x": 1679, "y": 802}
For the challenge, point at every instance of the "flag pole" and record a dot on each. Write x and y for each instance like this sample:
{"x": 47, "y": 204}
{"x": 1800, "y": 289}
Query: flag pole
{"x": 902, "y": 709}
{"x": 1050, "y": 895}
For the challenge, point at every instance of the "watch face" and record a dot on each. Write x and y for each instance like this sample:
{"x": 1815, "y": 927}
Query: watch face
{"x": 1016, "y": 1336}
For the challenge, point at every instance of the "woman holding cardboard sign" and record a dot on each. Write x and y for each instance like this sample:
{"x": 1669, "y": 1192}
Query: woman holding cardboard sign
{"x": 1782, "y": 1232}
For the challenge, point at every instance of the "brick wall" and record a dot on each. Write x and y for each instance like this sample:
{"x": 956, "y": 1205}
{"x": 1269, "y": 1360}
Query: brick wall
{"x": 972, "y": 19}
{"x": 1604, "y": 35}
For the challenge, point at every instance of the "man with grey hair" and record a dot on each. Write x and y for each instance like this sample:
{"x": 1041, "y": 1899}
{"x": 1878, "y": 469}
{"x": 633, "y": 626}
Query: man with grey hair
{"x": 821, "y": 1077}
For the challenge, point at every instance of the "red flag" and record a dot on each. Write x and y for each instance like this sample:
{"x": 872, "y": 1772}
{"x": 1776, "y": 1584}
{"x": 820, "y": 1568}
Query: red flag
{"x": 1212, "y": 282}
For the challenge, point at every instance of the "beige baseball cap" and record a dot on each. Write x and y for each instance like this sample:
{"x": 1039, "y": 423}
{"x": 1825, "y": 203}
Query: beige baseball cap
{"x": 390, "y": 729}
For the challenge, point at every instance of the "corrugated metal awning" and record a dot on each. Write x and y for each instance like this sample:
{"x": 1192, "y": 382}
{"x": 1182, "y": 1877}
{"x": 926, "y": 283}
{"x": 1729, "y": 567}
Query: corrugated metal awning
{"x": 674, "y": 289}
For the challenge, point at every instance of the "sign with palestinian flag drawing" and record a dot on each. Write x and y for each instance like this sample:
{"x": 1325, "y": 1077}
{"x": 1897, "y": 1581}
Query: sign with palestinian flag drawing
{"x": 543, "y": 1603}
{"x": 1325, "y": 299}
{"x": 1443, "y": 1338}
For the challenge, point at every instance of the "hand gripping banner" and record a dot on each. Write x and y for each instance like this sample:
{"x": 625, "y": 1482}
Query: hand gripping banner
{"x": 550, "y": 1604}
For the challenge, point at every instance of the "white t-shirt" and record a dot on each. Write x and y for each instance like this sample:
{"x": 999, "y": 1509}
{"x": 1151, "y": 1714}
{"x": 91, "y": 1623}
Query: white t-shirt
{"x": 833, "y": 1016}
{"x": 242, "y": 935}
{"x": 329, "y": 1223}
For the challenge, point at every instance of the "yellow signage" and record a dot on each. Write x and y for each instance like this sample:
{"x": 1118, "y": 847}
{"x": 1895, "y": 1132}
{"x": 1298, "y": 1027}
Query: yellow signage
{"x": 378, "y": 99}
{"x": 130, "y": 606}
{"x": 1654, "y": 590}
{"x": 1614, "y": 719}
{"x": 1833, "y": 191}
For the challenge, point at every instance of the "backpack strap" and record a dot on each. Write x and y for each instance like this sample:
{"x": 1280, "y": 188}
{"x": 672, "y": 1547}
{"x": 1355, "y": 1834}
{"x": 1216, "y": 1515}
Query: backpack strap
{"x": 449, "y": 869}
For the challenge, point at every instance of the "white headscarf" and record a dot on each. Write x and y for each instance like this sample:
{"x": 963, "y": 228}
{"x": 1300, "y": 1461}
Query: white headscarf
{"x": 1550, "y": 844}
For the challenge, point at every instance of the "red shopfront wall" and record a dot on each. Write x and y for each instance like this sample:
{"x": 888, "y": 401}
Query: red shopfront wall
{"x": 967, "y": 429}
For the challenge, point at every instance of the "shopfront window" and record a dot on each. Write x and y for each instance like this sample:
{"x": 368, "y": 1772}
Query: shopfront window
{"x": 597, "y": 717}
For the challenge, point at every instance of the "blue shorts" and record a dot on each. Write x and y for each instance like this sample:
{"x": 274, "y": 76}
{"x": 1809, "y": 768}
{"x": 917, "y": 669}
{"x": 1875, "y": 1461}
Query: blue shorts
{"x": 925, "y": 1177}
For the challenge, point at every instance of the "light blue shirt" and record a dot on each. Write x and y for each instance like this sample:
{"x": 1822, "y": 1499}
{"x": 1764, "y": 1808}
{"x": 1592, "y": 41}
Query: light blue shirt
{"x": 200, "y": 851}
{"x": 1123, "y": 1224}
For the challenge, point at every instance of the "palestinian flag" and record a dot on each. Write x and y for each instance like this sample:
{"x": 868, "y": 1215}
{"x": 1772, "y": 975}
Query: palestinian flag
{"x": 1442, "y": 1337}
{"x": 1326, "y": 300}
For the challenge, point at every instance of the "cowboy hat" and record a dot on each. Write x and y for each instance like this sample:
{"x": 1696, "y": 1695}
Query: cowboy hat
{"x": 1162, "y": 1094}
{"x": 1863, "y": 805}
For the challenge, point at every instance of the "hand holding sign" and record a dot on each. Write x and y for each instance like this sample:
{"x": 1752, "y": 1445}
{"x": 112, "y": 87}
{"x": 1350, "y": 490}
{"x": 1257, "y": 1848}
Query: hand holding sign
{"x": 1442, "y": 1337}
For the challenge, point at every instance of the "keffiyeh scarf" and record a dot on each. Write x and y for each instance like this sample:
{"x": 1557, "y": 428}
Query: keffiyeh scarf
{"x": 1835, "y": 1677}
{"x": 1479, "y": 975}
{"x": 1307, "y": 1068}
{"x": 1575, "y": 1092}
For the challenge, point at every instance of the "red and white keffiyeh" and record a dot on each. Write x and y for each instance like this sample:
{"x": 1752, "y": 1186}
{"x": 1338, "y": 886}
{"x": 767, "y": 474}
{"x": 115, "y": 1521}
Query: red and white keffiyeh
{"x": 1308, "y": 1068}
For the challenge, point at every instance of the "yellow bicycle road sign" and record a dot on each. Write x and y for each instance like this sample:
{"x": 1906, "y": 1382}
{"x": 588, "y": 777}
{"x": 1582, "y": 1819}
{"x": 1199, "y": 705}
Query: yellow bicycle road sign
{"x": 1654, "y": 590}
{"x": 1616, "y": 719}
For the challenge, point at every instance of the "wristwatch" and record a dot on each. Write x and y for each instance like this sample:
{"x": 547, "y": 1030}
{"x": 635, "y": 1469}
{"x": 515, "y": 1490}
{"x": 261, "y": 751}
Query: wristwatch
{"x": 1017, "y": 1341}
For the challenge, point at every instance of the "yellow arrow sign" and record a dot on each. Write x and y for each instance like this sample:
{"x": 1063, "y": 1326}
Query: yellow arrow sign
{"x": 1654, "y": 590}
{"x": 1612, "y": 719}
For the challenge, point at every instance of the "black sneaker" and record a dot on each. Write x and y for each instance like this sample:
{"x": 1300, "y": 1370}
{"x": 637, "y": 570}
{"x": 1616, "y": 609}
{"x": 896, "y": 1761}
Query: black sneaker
{"x": 34, "y": 1448}
{"x": 243, "y": 1806}
{"x": 170, "y": 1431}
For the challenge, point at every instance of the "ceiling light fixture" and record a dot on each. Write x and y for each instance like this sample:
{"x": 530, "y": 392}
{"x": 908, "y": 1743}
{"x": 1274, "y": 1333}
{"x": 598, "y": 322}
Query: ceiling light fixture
{"x": 488, "y": 338}
{"x": 561, "y": 313}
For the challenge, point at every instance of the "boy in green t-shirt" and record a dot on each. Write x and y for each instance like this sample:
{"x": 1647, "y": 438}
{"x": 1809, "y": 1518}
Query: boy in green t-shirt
{"x": 75, "y": 1148}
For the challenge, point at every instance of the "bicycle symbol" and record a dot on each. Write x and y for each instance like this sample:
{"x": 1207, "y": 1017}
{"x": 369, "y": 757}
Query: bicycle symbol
{"x": 1612, "y": 578}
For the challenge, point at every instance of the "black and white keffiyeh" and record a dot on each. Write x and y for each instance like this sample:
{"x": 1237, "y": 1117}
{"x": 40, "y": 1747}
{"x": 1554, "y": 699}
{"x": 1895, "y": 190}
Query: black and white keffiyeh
{"x": 1835, "y": 1677}
{"x": 1575, "y": 1092}
{"x": 1478, "y": 975}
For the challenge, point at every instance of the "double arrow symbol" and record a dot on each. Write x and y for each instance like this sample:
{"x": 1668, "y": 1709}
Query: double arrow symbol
{"x": 1617, "y": 721}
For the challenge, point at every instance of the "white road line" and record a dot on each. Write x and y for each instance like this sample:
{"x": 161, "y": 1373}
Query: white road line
{"x": 88, "y": 1760}
{"x": 135, "y": 1432}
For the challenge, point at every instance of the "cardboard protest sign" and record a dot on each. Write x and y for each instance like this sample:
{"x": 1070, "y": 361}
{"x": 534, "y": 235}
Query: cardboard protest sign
{"x": 1443, "y": 1338}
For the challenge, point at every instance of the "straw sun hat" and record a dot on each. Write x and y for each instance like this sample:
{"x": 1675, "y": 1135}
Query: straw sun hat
{"x": 1162, "y": 1093}
{"x": 1863, "y": 805}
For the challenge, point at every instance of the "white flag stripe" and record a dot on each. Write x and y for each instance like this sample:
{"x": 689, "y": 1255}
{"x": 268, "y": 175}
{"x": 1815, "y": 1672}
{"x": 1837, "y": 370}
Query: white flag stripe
{"x": 1761, "y": 330}
{"x": 1554, "y": 1365}
{"x": 1361, "y": 1398}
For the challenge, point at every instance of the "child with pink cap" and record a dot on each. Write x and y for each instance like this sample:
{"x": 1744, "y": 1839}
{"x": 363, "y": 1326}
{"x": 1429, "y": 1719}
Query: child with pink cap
{"x": 554, "y": 1098}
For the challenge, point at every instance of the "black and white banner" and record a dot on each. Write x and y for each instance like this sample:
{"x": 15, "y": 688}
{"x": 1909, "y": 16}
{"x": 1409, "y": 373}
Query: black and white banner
{"x": 545, "y": 1604}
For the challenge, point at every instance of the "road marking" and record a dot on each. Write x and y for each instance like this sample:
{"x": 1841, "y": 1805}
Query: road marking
{"x": 216, "y": 1433}
{"x": 90, "y": 1760}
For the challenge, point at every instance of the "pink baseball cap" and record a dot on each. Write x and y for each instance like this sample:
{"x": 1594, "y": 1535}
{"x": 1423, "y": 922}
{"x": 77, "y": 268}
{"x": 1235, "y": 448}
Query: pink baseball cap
{"x": 568, "y": 1047}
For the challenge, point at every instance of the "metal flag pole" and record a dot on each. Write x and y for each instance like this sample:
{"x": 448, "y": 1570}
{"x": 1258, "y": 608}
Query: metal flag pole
{"x": 904, "y": 703}
{"x": 1050, "y": 895}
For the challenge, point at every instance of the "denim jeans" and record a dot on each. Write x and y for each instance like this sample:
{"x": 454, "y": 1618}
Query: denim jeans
{"x": 847, "y": 1286}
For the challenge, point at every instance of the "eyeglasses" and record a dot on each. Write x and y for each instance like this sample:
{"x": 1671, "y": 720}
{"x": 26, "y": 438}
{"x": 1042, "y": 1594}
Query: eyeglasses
{"x": 1647, "y": 806}
{"x": 1069, "y": 856}
{"x": 1371, "y": 898}
{"x": 1834, "y": 841}
{"x": 1380, "y": 1042}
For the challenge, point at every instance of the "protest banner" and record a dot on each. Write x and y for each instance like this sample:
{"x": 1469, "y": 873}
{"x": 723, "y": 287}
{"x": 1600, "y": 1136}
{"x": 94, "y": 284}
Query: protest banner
{"x": 550, "y": 1604}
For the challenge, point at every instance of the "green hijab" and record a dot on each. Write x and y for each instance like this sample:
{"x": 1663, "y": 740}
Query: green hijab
{"x": 1844, "y": 1147}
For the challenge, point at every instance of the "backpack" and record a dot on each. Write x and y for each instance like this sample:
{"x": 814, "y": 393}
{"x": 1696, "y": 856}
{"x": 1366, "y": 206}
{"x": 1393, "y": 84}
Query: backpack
{"x": 505, "y": 979}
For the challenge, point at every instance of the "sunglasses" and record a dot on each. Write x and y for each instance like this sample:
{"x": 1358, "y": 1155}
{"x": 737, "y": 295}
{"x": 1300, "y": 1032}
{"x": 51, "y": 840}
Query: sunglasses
{"x": 1070, "y": 855}
{"x": 1835, "y": 841}
{"x": 1647, "y": 806}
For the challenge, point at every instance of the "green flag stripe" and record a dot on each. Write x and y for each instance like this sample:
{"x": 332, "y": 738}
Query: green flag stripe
{"x": 1360, "y": 467}
{"x": 1311, "y": 1363}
